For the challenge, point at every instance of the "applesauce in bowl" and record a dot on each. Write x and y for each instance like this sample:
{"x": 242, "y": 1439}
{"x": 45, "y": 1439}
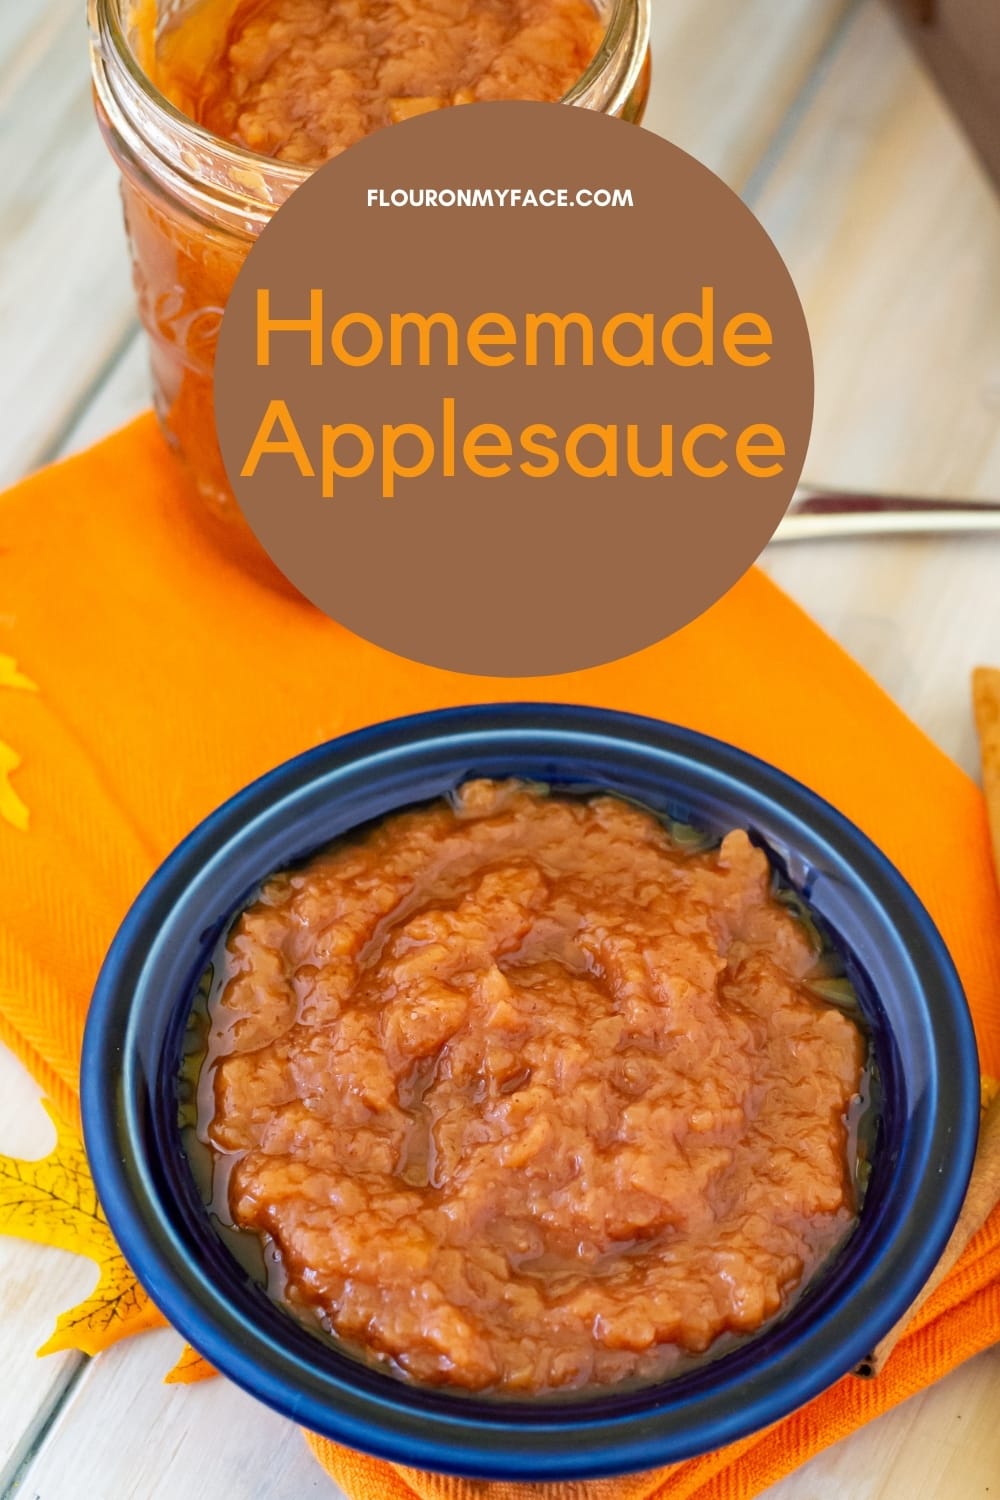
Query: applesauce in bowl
{"x": 522, "y": 1093}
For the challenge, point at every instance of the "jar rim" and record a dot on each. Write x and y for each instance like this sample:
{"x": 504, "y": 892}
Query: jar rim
{"x": 628, "y": 27}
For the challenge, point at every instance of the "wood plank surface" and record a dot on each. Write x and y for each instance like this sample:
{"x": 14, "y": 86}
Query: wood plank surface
{"x": 66, "y": 303}
{"x": 123, "y": 1435}
{"x": 891, "y": 231}
{"x": 26, "y": 33}
{"x": 119, "y": 396}
{"x": 726, "y": 73}
{"x": 892, "y": 234}
{"x": 35, "y": 1285}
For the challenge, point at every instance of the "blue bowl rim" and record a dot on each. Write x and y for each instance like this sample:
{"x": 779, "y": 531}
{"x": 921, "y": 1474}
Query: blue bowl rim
{"x": 505, "y": 1440}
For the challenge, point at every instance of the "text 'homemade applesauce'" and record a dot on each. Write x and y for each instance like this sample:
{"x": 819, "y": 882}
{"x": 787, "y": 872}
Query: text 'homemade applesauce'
{"x": 523, "y": 1092}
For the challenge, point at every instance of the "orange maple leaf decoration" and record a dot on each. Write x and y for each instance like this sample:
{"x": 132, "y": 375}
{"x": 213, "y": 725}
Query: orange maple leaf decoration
{"x": 53, "y": 1201}
{"x": 190, "y": 1367}
{"x": 12, "y": 809}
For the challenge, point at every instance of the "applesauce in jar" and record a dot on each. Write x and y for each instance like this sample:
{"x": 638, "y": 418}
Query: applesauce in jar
{"x": 300, "y": 80}
{"x": 216, "y": 110}
{"x": 526, "y": 1093}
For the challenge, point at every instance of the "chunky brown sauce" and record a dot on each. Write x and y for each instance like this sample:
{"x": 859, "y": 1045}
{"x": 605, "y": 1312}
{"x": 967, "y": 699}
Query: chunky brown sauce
{"x": 524, "y": 1097}
{"x": 299, "y": 80}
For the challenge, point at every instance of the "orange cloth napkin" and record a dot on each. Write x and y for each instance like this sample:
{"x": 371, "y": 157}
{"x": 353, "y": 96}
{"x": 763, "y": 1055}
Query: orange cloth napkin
{"x": 164, "y": 679}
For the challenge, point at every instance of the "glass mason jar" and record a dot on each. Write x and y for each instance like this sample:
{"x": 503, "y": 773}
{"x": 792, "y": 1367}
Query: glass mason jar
{"x": 194, "y": 203}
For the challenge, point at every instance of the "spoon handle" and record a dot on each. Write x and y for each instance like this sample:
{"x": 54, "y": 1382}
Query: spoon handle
{"x": 816, "y": 513}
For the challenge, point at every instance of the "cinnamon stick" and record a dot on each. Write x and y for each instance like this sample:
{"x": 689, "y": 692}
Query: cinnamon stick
{"x": 986, "y": 705}
{"x": 984, "y": 1185}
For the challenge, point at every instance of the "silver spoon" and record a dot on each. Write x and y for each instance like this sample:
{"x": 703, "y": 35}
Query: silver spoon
{"x": 816, "y": 513}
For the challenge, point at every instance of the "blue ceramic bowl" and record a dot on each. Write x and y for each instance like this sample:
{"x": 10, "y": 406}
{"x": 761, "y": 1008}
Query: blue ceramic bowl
{"x": 923, "y": 1040}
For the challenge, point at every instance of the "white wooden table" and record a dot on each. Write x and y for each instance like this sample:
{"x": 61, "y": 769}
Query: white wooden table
{"x": 817, "y": 113}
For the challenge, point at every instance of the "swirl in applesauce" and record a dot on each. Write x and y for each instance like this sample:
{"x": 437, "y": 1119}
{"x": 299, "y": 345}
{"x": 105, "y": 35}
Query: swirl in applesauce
{"x": 522, "y": 1095}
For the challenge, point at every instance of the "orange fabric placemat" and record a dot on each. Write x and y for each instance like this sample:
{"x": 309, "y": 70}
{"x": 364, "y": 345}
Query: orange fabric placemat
{"x": 152, "y": 679}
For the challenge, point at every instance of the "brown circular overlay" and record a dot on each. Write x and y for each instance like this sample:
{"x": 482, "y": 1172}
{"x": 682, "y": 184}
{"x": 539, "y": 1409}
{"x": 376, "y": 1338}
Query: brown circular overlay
{"x": 465, "y": 565}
